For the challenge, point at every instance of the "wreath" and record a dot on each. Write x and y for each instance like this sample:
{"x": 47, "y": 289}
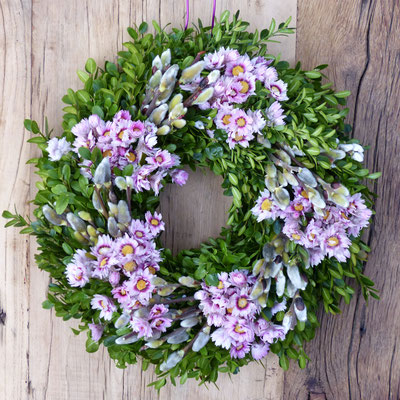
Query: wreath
{"x": 204, "y": 97}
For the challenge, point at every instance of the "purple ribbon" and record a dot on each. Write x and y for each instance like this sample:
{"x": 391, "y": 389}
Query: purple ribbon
{"x": 213, "y": 15}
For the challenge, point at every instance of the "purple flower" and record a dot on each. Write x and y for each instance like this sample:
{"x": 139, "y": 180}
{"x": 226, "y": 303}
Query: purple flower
{"x": 96, "y": 331}
{"x": 221, "y": 338}
{"x": 161, "y": 159}
{"x": 142, "y": 327}
{"x": 239, "y": 329}
{"x": 154, "y": 223}
{"x": 158, "y": 310}
{"x": 335, "y": 243}
{"x": 179, "y": 176}
{"x": 269, "y": 332}
{"x": 139, "y": 230}
{"x": 77, "y": 275}
{"x": 265, "y": 207}
{"x": 259, "y": 350}
{"x": 125, "y": 246}
{"x": 242, "y": 305}
{"x": 239, "y": 350}
{"x": 57, "y": 148}
{"x": 278, "y": 90}
{"x": 105, "y": 305}
{"x": 104, "y": 246}
{"x": 275, "y": 114}
{"x": 161, "y": 323}
{"x": 114, "y": 278}
{"x": 238, "y": 278}
{"x": 241, "y": 65}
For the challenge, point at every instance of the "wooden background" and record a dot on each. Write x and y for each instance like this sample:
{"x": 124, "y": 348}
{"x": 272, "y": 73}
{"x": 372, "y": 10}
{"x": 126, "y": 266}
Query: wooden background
{"x": 42, "y": 43}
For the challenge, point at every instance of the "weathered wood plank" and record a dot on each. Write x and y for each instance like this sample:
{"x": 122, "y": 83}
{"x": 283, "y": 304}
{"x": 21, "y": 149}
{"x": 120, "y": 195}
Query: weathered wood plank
{"x": 15, "y": 89}
{"x": 356, "y": 355}
{"x": 64, "y": 34}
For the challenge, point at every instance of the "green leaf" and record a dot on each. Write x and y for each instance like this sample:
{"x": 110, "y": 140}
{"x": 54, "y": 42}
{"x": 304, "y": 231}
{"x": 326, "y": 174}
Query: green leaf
{"x": 375, "y": 175}
{"x": 143, "y": 27}
{"x": 84, "y": 153}
{"x": 342, "y": 94}
{"x": 90, "y": 66}
{"x": 312, "y": 74}
{"x": 83, "y": 96}
{"x": 284, "y": 362}
{"x": 62, "y": 203}
{"x": 47, "y": 304}
{"x": 212, "y": 280}
{"x": 97, "y": 110}
{"x": 82, "y": 75}
{"x": 111, "y": 68}
{"x": 91, "y": 346}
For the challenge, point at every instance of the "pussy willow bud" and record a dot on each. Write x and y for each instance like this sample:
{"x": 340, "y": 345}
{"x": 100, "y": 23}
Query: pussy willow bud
{"x": 76, "y": 223}
{"x": 113, "y": 209}
{"x": 190, "y": 322}
{"x": 166, "y": 58}
{"x": 85, "y": 216}
{"x": 172, "y": 360}
{"x": 306, "y": 176}
{"x": 157, "y": 63}
{"x": 124, "y": 216}
{"x": 179, "y": 336}
{"x": 175, "y": 101}
{"x": 158, "y": 114}
{"x": 120, "y": 182}
{"x": 179, "y": 123}
{"x": 155, "y": 79}
{"x": 213, "y": 76}
{"x": 169, "y": 78}
{"x": 122, "y": 321}
{"x": 113, "y": 227}
{"x": 300, "y": 308}
{"x": 164, "y": 130}
{"x": 91, "y": 231}
{"x": 102, "y": 175}
{"x": 178, "y": 111}
{"x": 204, "y": 96}
{"x": 127, "y": 339}
{"x": 202, "y": 339}
{"x": 52, "y": 216}
{"x": 191, "y": 73}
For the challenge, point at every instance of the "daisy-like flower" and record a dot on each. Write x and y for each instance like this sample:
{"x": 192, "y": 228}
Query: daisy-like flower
{"x": 292, "y": 230}
{"x": 239, "y": 66}
{"x": 77, "y": 274}
{"x": 239, "y": 350}
{"x": 161, "y": 323}
{"x": 258, "y": 120}
{"x": 141, "y": 286}
{"x": 57, "y": 148}
{"x": 221, "y": 338}
{"x": 278, "y": 90}
{"x": 277, "y": 307}
{"x": 114, "y": 278}
{"x": 335, "y": 243}
{"x": 161, "y": 159}
{"x": 238, "y": 278}
{"x": 141, "y": 178}
{"x": 269, "y": 332}
{"x": 139, "y": 230}
{"x": 223, "y": 118}
{"x": 241, "y": 123}
{"x": 154, "y": 223}
{"x": 247, "y": 83}
{"x": 275, "y": 114}
{"x": 259, "y": 350}
{"x": 142, "y": 327}
{"x": 316, "y": 256}
{"x": 105, "y": 305}
{"x": 297, "y": 208}
{"x": 242, "y": 305}
{"x": 235, "y": 138}
{"x": 215, "y": 60}
{"x": 358, "y": 213}
{"x": 179, "y": 177}
{"x": 125, "y": 246}
{"x": 312, "y": 235}
{"x": 158, "y": 310}
{"x": 101, "y": 267}
{"x": 85, "y": 135}
{"x": 265, "y": 207}
{"x": 121, "y": 293}
{"x": 96, "y": 331}
{"x": 239, "y": 329}
{"x": 104, "y": 246}
{"x": 122, "y": 115}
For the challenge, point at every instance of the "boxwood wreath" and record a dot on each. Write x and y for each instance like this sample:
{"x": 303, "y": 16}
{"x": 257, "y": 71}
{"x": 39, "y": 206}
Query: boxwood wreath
{"x": 204, "y": 97}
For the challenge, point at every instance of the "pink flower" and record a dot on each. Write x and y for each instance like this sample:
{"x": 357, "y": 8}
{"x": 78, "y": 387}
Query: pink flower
{"x": 270, "y": 76}
{"x": 278, "y": 90}
{"x": 85, "y": 135}
{"x": 161, "y": 323}
{"x": 358, "y": 213}
{"x": 241, "y": 123}
{"x": 221, "y": 338}
{"x": 312, "y": 235}
{"x": 104, "y": 246}
{"x": 121, "y": 293}
{"x": 239, "y": 329}
{"x": 179, "y": 176}
{"x": 258, "y": 120}
{"x": 140, "y": 285}
{"x": 316, "y": 256}
{"x": 161, "y": 159}
{"x": 292, "y": 230}
{"x": 215, "y": 60}
{"x": 155, "y": 181}
{"x": 223, "y": 118}
{"x": 239, "y": 66}
{"x": 141, "y": 178}
{"x": 142, "y": 327}
{"x": 259, "y": 350}
{"x": 57, "y": 148}
{"x": 242, "y": 305}
{"x": 122, "y": 115}
{"x": 154, "y": 223}
{"x": 238, "y": 278}
{"x": 335, "y": 243}
{"x": 77, "y": 275}
{"x": 96, "y": 331}
{"x": 269, "y": 332}
{"x": 239, "y": 350}
{"x": 275, "y": 114}
{"x": 114, "y": 278}
{"x": 277, "y": 307}
{"x": 235, "y": 138}
{"x": 105, "y": 305}
{"x": 125, "y": 246}
{"x": 265, "y": 207}
{"x": 158, "y": 310}
{"x": 139, "y": 230}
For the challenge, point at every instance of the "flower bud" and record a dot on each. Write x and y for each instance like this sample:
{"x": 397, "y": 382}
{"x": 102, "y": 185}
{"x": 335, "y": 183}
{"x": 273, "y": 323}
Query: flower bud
{"x": 179, "y": 336}
{"x": 192, "y": 72}
{"x": 164, "y": 130}
{"x": 158, "y": 114}
{"x": 102, "y": 175}
{"x": 166, "y": 57}
{"x": 76, "y": 223}
{"x": 204, "y": 96}
{"x": 122, "y": 321}
{"x": 175, "y": 101}
{"x": 124, "y": 216}
{"x": 169, "y": 78}
{"x": 120, "y": 182}
{"x": 179, "y": 123}
{"x": 52, "y": 216}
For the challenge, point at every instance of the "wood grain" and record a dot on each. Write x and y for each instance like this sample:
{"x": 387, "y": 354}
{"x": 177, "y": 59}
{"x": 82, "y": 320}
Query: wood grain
{"x": 356, "y": 355}
{"x": 42, "y": 44}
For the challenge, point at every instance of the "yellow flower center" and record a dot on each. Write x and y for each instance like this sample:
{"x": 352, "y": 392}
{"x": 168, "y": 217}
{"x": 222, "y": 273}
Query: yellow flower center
{"x": 106, "y": 133}
{"x": 127, "y": 249}
{"x": 139, "y": 234}
{"x": 238, "y": 137}
{"x": 159, "y": 322}
{"x": 141, "y": 285}
{"x": 239, "y": 347}
{"x": 130, "y": 266}
{"x": 154, "y": 222}
{"x": 333, "y": 241}
{"x": 123, "y": 292}
{"x": 121, "y": 135}
{"x": 298, "y": 207}
{"x": 152, "y": 270}
{"x": 229, "y": 310}
{"x": 242, "y": 303}
{"x": 266, "y": 205}
{"x": 311, "y": 237}
{"x": 78, "y": 277}
{"x": 226, "y": 119}
{"x": 304, "y": 194}
{"x": 327, "y": 214}
{"x": 344, "y": 215}
{"x": 131, "y": 157}
{"x": 275, "y": 90}
{"x": 107, "y": 153}
{"x": 220, "y": 285}
{"x": 104, "y": 250}
{"x": 241, "y": 122}
{"x": 245, "y": 87}
{"x": 159, "y": 159}
{"x": 103, "y": 262}
{"x": 295, "y": 236}
{"x": 237, "y": 70}
{"x": 103, "y": 305}
{"x": 239, "y": 329}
